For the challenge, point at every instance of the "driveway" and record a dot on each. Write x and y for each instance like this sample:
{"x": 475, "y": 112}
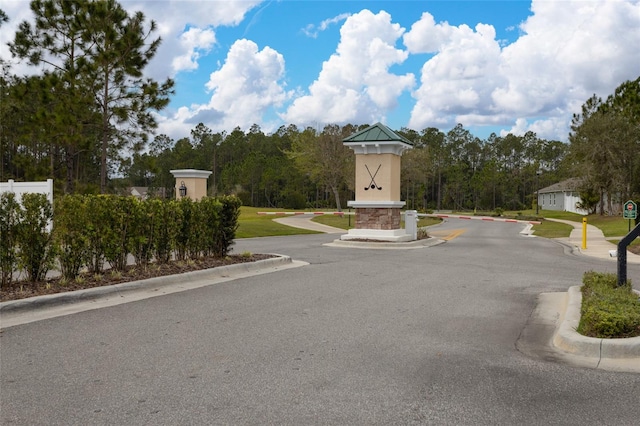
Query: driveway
{"x": 421, "y": 336}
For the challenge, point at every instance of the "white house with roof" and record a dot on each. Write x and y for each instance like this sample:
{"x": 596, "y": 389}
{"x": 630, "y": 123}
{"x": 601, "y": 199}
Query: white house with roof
{"x": 561, "y": 196}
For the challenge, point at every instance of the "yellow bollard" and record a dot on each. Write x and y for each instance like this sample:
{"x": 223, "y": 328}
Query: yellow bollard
{"x": 584, "y": 233}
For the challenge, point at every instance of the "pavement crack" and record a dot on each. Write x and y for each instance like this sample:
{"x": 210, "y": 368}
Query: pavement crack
{"x": 600, "y": 353}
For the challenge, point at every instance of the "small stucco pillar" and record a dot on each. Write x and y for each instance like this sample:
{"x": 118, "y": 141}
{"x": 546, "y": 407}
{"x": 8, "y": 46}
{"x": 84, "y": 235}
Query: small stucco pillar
{"x": 377, "y": 205}
{"x": 194, "y": 181}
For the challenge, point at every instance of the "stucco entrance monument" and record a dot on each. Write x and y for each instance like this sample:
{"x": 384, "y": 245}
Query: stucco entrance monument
{"x": 377, "y": 205}
{"x": 191, "y": 183}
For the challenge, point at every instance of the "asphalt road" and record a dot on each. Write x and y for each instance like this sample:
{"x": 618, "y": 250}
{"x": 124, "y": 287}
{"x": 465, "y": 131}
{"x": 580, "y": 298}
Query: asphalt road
{"x": 365, "y": 337}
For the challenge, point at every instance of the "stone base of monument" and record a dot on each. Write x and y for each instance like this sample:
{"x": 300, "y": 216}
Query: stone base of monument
{"x": 377, "y": 221}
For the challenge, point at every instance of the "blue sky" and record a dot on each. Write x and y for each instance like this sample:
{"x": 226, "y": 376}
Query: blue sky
{"x": 494, "y": 66}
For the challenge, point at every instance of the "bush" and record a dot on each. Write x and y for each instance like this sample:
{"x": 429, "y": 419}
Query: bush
{"x": 141, "y": 228}
{"x": 9, "y": 217}
{"x": 210, "y": 211}
{"x": 294, "y": 200}
{"x": 93, "y": 228}
{"x": 119, "y": 218}
{"x": 608, "y": 311}
{"x": 228, "y": 224}
{"x": 97, "y": 232}
{"x": 35, "y": 241}
{"x": 165, "y": 228}
{"x": 70, "y": 226}
{"x": 187, "y": 221}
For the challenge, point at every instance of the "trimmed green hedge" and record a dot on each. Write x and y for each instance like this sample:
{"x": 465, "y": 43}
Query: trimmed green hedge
{"x": 89, "y": 230}
{"x": 9, "y": 219}
{"x": 608, "y": 311}
{"x": 26, "y": 242}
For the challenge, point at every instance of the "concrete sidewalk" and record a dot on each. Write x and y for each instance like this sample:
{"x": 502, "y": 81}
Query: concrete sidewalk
{"x": 597, "y": 244}
{"x": 305, "y": 222}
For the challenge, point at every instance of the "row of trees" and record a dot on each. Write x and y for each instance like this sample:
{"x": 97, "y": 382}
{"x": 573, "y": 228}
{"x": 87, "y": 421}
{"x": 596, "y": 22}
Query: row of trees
{"x": 605, "y": 147}
{"x": 90, "y": 101}
{"x": 297, "y": 168}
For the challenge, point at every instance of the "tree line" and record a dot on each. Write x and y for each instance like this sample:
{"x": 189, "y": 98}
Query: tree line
{"x": 311, "y": 168}
{"x": 89, "y": 102}
{"x": 87, "y": 122}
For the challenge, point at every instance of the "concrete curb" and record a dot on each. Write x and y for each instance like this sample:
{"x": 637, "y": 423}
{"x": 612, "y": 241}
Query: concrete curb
{"x": 50, "y": 300}
{"x": 568, "y": 340}
{"x": 384, "y": 245}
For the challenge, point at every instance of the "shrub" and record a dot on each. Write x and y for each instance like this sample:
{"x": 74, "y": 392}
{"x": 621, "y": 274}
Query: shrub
{"x": 97, "y": 207}
{"x": 210, "y": 210}
{"x": 141, "y": 229}
{"x": 119, "y": 217}
{"x": 608, "y": 311}
{"x": 228, "y": 224}
{"x": 294, "y": 200}
{"x": 93, "y": 228}
{"x": 70, "y": 226}
{"x": 165, "y": 228}
{"x": 9, "y": 216}
{"x": 37, "y": 250}
{"x": 185, "y": 205}
{"x": 422, "y": 234}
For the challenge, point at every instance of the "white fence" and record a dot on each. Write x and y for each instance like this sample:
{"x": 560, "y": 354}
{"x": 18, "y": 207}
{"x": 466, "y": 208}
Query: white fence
{"x": 20, "y": 188}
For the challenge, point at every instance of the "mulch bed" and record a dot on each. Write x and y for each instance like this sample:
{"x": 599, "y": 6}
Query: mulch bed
{"x": 23, "y": 289}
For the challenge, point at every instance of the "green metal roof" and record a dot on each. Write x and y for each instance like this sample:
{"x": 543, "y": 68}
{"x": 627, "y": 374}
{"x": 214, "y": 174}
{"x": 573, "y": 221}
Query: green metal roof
{"x": 377, "y": 133}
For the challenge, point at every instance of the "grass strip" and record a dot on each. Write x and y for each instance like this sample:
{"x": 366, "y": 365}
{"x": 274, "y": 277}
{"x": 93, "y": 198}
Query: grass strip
{"x": 251, "y": 225}
{"x": 608, "y": 311}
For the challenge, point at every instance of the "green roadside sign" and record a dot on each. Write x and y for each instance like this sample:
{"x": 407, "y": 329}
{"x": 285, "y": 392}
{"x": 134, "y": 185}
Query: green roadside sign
{"x": 630, "y": 210}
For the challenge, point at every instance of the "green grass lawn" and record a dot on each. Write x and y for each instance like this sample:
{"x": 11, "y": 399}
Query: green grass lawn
{"x": 251, "y": 224}
{"x": 342, "y": 222}
{"x": 549, "y": 229}
{"x": 611, "y": 226}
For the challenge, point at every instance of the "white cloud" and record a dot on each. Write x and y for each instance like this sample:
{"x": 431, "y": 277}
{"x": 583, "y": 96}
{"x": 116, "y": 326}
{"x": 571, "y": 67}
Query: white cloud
{"x": 246, "y": 86}
{"x": 354, "y": 84}
{"x": 187, "y": 29}
{"x": 312, "y": 30}
{"x": 195, "y": 41}
{"x": 567, "y": 51}
{"x": 461, "y": 75}
{"x": 544, "y": 128}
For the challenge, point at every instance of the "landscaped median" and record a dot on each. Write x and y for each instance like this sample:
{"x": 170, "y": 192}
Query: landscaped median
{"x": 601, "y": 317}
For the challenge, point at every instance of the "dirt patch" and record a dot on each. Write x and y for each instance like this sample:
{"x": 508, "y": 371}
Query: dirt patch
{"x": 25, "y": 289}
{"x": 635, "y": 249}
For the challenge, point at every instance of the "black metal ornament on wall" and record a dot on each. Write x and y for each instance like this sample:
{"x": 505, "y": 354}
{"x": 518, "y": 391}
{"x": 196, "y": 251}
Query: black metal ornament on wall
{"x": 373, "y": 184}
